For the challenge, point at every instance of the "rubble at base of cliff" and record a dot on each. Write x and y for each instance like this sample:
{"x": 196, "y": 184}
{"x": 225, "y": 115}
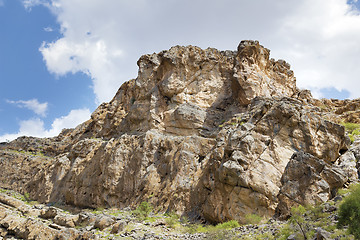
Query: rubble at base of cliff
{"x": 22, "y": 218}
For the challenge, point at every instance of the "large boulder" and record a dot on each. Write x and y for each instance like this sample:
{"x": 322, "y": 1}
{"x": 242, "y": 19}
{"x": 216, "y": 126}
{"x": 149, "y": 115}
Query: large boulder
{"x": 308, "y": 180}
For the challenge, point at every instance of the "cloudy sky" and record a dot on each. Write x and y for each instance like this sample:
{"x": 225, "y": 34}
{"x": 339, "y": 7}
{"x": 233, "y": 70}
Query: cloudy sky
{"x": 60, "y": 58}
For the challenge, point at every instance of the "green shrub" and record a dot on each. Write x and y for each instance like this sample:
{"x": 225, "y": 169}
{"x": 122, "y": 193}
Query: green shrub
{"x": 316, "y": 212}
{"x": 349, "y": 212}
{"x": 284, "y": 232}
{"x": 173, "y": 220}
{"x": 342, "y": 191}
{"x": 228, "y": 225}
{"x": 263, "y": 236}
{"x": 350, "y": 127}
{"x": 353, "y": 129}
{"x": 252, "y": 219}
{"x": 214, "y": 230}
{"x": 143, "y": 210}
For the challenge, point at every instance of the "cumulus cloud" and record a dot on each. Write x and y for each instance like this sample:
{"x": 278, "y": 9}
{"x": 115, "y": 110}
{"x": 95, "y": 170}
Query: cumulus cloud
{"x": 35, "y": 127}
{"x": 104, "y": 39}
{"x": 33, "y": 105}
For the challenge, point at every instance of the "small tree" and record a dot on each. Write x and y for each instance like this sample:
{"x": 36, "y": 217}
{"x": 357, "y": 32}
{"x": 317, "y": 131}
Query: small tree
{"x": 297, "y": 219}
{"x": 349, "y": 212}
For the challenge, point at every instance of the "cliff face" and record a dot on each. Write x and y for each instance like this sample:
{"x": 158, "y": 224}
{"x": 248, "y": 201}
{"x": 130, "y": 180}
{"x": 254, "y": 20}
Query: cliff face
{"x": 208, "y": 133}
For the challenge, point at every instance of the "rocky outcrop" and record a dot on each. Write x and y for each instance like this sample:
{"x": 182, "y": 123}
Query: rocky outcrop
{"x": 309, "y": 180}
{"x": 207, "y": 133}
{"x": 190, "y": 91}
{"x": 22, "y": 221}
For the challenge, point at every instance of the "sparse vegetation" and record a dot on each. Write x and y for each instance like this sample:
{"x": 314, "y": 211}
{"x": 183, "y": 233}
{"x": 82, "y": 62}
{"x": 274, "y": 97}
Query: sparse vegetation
{"x": 29, "y": 153}
{"x": 172, "y": 220}
{"x": 353, "y": 129}
{"x": 143, "y": 210}
{"x": 298, "y": 221}
{"x": 284, "y": 232}
{"x": 349, "y": 212}
{"x": 302, "y": 223}
{"x": 253, "y": 219}
{"x": 97, "y": 210}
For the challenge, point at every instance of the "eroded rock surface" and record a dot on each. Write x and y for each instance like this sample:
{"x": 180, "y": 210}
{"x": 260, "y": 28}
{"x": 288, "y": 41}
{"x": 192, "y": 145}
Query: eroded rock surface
{"x": 207, "y": 133}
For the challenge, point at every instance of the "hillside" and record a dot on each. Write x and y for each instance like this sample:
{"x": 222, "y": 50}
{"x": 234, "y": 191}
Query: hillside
{"x": 207, "y": 134}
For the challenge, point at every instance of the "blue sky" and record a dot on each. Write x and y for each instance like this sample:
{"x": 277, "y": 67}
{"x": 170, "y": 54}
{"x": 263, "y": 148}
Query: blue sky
{"x": 24, "y": 75}
{"x": 60, "y": 58}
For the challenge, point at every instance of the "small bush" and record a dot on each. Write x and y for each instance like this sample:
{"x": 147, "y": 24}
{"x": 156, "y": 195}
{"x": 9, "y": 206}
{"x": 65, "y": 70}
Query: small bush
{"x": 143, "y": 210}
{"x": 350, "y": 127}
{"x": 214, "y": 230}
{"x": 316, "y": 212}
{"x": 349, "y": 212}
{"x": 284, "y": 232}
{"x": 252, "y": 219}
{"x": 353, "y": 129}
{"x": 228, "y": 225}
{"x": 173, "y": 220}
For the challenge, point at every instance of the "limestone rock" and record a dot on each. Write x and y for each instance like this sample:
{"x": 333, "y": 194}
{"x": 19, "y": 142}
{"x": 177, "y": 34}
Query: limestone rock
{"x": 208, "y": 133}
{"x": 308, "y": 180}
{"x": 66, "y": 220}
{"x": 118, "y": 227}
{"x": 103, "y": 222}
{"x": 48, "y": 213}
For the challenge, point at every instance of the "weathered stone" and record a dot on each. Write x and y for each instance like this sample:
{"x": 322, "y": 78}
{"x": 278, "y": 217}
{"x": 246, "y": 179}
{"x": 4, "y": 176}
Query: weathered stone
{"x": 103, "y": 222}
{"x": 31, "y": 228}
{"x": 308, "y": 180}
{"x": 66, "y": 220}
{"x": 48, "y": 213}
{"x": 118, "y": 227}
{"x": 203, "y": 132}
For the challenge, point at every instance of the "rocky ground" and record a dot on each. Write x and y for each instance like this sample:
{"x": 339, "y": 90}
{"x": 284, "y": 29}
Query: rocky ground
{"x": 21, "y": 218}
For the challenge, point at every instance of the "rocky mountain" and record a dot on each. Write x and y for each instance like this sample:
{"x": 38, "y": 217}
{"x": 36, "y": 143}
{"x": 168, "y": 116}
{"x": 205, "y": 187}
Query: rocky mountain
{"x": 213, "y": 135}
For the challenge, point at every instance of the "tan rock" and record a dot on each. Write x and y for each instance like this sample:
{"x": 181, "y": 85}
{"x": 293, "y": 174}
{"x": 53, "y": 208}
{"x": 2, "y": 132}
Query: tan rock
{"x": 118, "y": 227}
{"x": 48, "y": 213}
{"x": 103, "y": 222}
{"x": 308, "y": 180}
{"x": 66, "y": 220}
{"x": 203, "y": 131}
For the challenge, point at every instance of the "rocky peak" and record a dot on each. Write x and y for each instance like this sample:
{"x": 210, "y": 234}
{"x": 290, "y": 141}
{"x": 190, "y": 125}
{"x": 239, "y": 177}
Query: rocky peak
{"x": 188, "y": 90}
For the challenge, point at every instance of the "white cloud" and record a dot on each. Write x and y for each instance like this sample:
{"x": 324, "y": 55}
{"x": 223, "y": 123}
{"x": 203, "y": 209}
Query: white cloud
{"x": 35, "y": 127}
{"x": 104, "y": 39}
{"x": 71, "y": 120}
{"x": 29, "y": 4}
{"x": 48, "y": 29}
{"x": 33, "y": 105}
